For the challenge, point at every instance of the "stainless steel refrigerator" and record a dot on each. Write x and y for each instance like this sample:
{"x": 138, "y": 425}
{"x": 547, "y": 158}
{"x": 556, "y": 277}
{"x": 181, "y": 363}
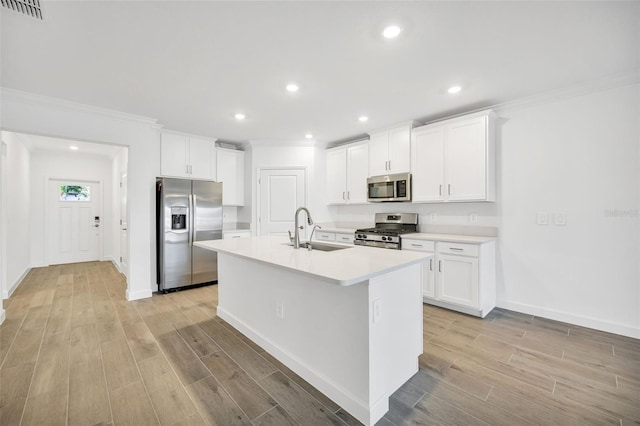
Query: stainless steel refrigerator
{"x": 186, "y": 211}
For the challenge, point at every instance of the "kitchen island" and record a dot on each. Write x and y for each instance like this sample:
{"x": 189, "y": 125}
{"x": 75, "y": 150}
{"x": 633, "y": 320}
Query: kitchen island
{"x": 348, "y": 321}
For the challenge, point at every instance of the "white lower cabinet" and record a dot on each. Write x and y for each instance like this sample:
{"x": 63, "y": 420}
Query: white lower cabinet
{"x": 244, "y": 233}
{"x": 339, "y": 237}
{"x": 459, "y": 277}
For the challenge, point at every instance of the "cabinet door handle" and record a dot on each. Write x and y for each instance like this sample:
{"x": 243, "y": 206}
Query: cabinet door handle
{"x": 431, "y": 264}
{"x": 449, "y": 190}
{"x": 389, "y": 165}
{"x": 186, "y": 169}
{"x": 343, "y": 195}
{"x": 439, "y": 265}
{"x": 455, "y": 249}
{"x": 440, "y": 189}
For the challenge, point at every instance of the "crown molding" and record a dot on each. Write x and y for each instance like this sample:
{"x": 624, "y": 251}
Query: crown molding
{"x": 279, "y": 142}
{"x": 609, "y": 82}
{"x": 13, "y": 95}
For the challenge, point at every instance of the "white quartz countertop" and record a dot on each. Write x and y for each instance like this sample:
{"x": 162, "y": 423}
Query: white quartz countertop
{"x": 342, "y": 267}
{"x": 453, "y": 238}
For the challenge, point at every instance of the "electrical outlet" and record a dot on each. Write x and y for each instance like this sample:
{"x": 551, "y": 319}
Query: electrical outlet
{"x": 280, "y": 310}
{"x": 560, "y": 219}
{"x": 433, "y": 216}
{"x": 473, "y": 217}
{"x": 377, "y": 308}
{"x": 542, "y": 218}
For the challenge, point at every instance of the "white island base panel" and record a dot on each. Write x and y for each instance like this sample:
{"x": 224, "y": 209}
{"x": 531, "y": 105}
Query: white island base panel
{"x": 356, "y": 344}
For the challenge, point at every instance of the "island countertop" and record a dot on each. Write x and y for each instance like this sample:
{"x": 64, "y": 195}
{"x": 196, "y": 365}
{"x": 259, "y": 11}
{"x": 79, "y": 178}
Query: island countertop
{"x": 345, "y": 267}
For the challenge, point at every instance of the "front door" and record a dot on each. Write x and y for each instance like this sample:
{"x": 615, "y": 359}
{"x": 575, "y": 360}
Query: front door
{"x": 282, "y": 191}
{"x": 74, "y": 221}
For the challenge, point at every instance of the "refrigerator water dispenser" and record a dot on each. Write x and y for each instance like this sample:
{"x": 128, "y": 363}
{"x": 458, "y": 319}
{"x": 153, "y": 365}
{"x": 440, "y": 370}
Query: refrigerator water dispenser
{"x": 178, "y": 218}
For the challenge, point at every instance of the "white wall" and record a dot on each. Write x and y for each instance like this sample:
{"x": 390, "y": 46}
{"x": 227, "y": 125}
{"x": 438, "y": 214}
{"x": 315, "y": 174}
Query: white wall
{"x": 18, "y": 255}
{"x": 283, "y": 154}
{"x": 68, "y": 165}
{"x": 577, "y": 155}
{"x": 32, "y": 114}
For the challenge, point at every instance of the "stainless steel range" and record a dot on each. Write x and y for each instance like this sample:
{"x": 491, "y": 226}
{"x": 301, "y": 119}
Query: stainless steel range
{"x": 386, "y": 233}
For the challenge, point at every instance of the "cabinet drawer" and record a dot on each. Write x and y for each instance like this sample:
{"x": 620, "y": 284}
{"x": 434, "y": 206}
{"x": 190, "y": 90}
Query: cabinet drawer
{"x": 325, "y": 236}
{"x": 236, "y": 234}
{"x": 344, "y": 238}
{"x": 458, "y": 248}
{"x": 418, "y": 245}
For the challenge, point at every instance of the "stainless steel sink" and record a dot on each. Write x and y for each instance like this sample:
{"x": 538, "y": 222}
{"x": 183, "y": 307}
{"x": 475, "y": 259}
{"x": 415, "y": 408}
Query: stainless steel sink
{"x": 319, "y": 246}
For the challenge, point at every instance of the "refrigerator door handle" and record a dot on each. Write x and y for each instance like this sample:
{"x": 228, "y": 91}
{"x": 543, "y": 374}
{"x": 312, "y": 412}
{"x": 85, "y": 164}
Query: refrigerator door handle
{"x": 191, "y": 220}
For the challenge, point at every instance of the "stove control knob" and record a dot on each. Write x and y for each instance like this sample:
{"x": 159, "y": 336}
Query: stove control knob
{"x": 384, "y": 238}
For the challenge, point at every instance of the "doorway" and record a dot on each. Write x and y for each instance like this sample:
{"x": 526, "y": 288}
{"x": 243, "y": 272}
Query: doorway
{"x": 124, "y": 227}
{"x": 74, "y": 221}
{"x": 281, "y": 192}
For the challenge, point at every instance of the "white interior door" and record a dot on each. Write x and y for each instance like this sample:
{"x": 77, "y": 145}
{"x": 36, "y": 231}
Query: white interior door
{"x": 74, "y": 221}
{"x": 281, "y": 192}
{"x": 124, "y": 226}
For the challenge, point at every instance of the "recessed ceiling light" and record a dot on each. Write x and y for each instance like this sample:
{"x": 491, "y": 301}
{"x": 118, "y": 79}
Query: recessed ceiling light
{"x": 240, "y": 116}
{"x": 73, "y": 147}
{"x": 308, "y": 136}
{"x": 292, "y": 87}
{"x": 391, "y": 31}
{"x": 363, "y": 118}
{"x": 454, "y": 89}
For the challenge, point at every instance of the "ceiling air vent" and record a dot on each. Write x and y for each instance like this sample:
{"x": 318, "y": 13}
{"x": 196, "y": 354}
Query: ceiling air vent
{"x": 28, "y": 7}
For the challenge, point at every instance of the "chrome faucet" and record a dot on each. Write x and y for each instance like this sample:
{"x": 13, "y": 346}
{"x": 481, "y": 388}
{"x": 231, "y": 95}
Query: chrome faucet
{"x": 296, "y": 238}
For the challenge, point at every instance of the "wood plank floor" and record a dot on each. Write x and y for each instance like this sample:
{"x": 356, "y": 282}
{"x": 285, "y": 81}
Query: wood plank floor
{"x": 74, "y": 351}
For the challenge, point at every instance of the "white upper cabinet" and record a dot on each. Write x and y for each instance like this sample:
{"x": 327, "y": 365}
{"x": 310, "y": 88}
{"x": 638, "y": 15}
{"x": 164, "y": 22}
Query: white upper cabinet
{"x": 390, "y": 150}
{"x": 357, "y": 172}
{"x": 454, "y": 160}
{"x": 427, "y": 160}
{"x": 347, "y": 169}
{"x": 337, "y": 176}
{"x": 466, "y": 154}
{"x": 187, "y": 156}
{"x": 230, "y": 171}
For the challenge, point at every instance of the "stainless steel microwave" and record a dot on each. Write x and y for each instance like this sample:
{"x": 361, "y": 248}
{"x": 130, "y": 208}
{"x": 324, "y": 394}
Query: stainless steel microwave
{"x": 396, "y": 187}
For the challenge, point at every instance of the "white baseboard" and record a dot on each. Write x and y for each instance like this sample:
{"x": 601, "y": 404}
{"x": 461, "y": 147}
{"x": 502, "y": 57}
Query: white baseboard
{"x": 3, "y": 315}
{"x": 7, "y": 293}
{"x": 112, "y": 260}
{"x": 609, "y": 327}
{"x": 140, "y": 294}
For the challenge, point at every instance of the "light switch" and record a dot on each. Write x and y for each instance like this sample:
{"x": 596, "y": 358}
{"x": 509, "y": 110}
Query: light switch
{"x": 542, "y": 218}
{"x": 560, "y": 219}
{"x": 473, "y": 218}
{"x": 433, "y": 216}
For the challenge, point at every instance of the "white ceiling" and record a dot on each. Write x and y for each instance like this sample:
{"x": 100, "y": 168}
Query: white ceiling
{"x": 192, "y": 65}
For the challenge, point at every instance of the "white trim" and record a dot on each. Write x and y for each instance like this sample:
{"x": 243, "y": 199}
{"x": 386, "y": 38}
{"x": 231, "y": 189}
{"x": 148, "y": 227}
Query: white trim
{"x": 140, "y": 294}
{"x": 3, "y": 315}
{"x": 116, "y": 264}
{"x": 7, "y": 94}
{"x": 276, "y": 142}
{"x": 607, "y": 326}
{"x": 598, "y": 85}
{"x": 7, "y": 294}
